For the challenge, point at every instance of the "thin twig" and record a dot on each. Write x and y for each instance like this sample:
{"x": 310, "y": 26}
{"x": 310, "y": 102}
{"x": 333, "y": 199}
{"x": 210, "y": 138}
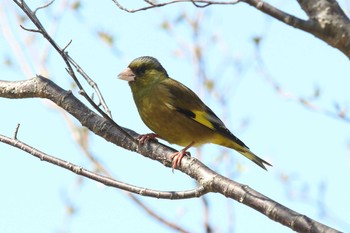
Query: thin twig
{"x": 30, "y": 30}
{"x": 43, "y": 6}
{"x": 306, "y": 25}
{"x": 197, "y": 192}
{"x": 155, "y": 5}
{"x": 69, "y": 62}
{"x": 92, "y": 84}
{"x": 83, "y": 144}
{"x": 16, "y": 131}
{"x": 339, "y": 113}
{"x": 65, "y": 47}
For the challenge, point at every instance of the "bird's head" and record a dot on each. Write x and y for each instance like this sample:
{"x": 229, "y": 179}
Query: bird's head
{"x": 143, "y": 71}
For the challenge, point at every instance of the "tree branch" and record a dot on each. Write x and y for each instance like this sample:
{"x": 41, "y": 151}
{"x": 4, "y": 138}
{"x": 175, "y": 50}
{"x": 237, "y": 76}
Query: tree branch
{"x": 69, "y": 61}
{"x": 280, "y": 15}
{"x": 208, "y": 179}
{"x": 197, "y": 192}
{"x": 326, "y": 20}
{"x": 330, "y": 23}
{"x": 83, "y": 144}
{"x": 196, "y": 3}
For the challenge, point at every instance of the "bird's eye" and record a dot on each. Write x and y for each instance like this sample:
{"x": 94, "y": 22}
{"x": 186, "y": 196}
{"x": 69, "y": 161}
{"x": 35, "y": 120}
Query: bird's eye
{"x": 140, "y": 70}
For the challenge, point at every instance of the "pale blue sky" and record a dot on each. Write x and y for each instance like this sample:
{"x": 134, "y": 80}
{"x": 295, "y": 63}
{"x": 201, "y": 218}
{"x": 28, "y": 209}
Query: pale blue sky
{"x": 311, "y": 149}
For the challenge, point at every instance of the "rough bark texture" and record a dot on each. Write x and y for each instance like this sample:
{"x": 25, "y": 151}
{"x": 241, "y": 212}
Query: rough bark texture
{"x": 325, "y": 20}
{"x": 211, "y": 181}
{"x": 330, "y": 23}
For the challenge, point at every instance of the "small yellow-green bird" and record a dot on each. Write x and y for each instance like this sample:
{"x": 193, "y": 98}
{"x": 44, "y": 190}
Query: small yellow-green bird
{"x": 175, "y": 113}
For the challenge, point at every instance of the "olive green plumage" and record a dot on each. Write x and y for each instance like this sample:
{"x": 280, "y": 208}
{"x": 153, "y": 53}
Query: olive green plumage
{"x": 174, "y": 112}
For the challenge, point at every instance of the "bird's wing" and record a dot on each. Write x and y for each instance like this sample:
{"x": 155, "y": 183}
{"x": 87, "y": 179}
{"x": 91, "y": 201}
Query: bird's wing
{"x": 186, "y": 102}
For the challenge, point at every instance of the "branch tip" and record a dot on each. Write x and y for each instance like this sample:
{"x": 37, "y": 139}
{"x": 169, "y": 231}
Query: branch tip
{"x": 65, "y": 47}
{"x": 30, "y": 30}
{"x": 16, "y": 131}
{"x": 42, "y": 7}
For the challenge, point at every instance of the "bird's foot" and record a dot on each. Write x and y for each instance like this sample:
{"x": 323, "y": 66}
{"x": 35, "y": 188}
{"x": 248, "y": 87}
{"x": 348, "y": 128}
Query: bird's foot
{"x": 177, "y": 156}
{"x": 143, "y": 138}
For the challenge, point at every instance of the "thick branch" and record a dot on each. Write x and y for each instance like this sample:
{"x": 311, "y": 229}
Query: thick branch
{"x": 280, "y": 15}
{"x": 211, "y": 181}
{"x": 330, "y": 23}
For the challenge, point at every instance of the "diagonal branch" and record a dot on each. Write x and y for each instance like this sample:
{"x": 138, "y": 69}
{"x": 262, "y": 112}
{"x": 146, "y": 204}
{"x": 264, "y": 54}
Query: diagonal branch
{"x": 103, "y": 170}
{"x": 280, "y": 15}
{"x": 197, "y": 192}
{"x": 40, "y": 87}
{"x": 69, "y": 61}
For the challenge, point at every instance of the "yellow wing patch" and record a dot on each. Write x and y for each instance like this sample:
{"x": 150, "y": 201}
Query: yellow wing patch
{"x": 203, "y": 118}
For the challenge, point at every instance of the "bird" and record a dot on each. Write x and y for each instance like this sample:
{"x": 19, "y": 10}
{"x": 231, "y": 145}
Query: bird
{"x": 175, "y": 113}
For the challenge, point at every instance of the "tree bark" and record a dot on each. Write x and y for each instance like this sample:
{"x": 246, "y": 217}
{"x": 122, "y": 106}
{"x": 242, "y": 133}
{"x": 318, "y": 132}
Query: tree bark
{"x": 40, "y": 87}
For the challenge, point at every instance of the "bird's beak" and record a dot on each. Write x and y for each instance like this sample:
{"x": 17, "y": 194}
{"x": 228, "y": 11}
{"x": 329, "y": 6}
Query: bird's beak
{"x": 127, "y": 75}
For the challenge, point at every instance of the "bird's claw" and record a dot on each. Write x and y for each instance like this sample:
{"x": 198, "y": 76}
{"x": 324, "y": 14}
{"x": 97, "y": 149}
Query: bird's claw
{"x": 177, "y": 157}
{"x": 143, "y": 138}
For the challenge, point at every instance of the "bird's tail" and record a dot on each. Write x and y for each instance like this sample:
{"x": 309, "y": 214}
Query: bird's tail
{"x": 250, "y": 155}
{"x": 239, "y": 146}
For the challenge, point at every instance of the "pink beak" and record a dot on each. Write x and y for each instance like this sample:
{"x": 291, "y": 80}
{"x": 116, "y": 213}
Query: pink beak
{"x": 127, "y": 75}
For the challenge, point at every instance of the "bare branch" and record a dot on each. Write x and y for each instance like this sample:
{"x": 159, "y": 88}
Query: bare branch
{"x": 331, "y": 24}
{"x": 30, "y": 30}
{"x": 155, "y": 5}
{"x": 280, "y": 15}
{"x": 101, "y": 168}
{"x": 260, "y": 5}
{"x": 207, "y": 178}
{"x": 93, "y": 85}
{"x": 326, "y": 20}
{"x": 65, "y": 47}
{"x": 197, "y": 192}
{"x": 43, "y": 6}
{"x": 16, "y": 132}
{"x": 66, "y": 58}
